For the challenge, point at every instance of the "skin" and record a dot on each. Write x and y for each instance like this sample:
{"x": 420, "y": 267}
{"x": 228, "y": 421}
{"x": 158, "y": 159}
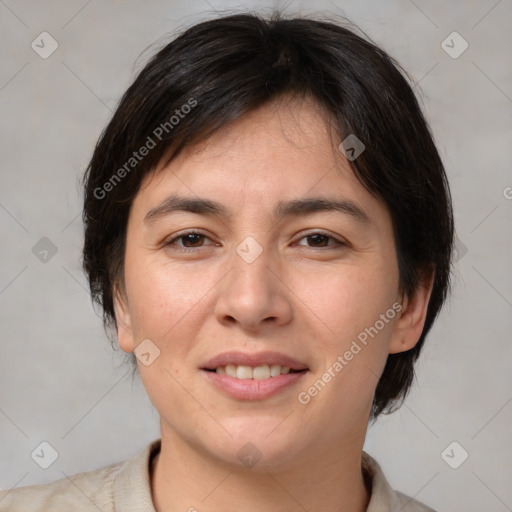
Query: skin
{"x": 305, "y": 297}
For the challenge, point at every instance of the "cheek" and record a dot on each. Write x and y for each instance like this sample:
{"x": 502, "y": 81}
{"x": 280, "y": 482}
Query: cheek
{"x": 162, "y": 297}
{"x": 354, "y": 305}
{"x": 350, "y": 299}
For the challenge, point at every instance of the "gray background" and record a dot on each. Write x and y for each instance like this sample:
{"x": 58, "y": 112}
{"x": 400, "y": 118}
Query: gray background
{"x": 61, "y": 382}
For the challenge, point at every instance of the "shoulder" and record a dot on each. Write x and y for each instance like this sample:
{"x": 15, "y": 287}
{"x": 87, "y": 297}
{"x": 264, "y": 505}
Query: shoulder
{"x": 124, "y": 486}
{"x": 84, "y": 491}
{"x": 383, "y": 498}
{"x": 407, "y": 504}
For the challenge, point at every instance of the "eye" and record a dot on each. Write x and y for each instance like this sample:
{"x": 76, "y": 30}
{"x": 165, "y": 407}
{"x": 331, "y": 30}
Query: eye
{"x": 189, "y": 241}
{"x": 319, "y": 239}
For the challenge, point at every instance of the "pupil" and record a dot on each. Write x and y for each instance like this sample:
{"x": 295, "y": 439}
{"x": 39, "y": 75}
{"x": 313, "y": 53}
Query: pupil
{"x": 193, "y": 238}
{"x": 318, "y": 239}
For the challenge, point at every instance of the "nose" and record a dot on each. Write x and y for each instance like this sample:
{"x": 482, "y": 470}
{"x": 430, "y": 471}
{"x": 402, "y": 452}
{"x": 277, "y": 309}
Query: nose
{"x": 253, "y": 295}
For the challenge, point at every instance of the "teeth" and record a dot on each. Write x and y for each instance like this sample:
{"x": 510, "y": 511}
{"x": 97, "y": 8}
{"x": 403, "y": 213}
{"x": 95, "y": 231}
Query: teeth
{"x": 275, "y": 370}
{"x": 261, "y": 372}
{"x": 248, "y": 372}
{"x": 244, "y": 372}
{"x": 230, "y": 370}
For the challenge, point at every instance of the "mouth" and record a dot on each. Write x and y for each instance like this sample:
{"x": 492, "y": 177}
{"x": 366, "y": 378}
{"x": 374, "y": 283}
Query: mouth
{"x": 253, "y": 376}
{"x": 261, "y": 372}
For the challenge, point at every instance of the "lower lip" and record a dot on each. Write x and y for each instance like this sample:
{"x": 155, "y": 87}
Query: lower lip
{"x": 252, "y": 389}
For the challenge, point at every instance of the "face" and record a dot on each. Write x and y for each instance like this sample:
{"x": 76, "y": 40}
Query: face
{"x": 265, "y": 278}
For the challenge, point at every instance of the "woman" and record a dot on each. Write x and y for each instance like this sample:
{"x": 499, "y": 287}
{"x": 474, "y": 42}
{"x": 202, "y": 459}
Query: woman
{"x": 268, "y": 228}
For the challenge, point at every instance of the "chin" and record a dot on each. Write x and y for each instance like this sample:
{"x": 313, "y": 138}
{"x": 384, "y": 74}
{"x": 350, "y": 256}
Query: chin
{"x": 260, "y": 444}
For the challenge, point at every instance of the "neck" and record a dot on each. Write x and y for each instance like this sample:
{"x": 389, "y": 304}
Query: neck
{"x": 184, "y": 478}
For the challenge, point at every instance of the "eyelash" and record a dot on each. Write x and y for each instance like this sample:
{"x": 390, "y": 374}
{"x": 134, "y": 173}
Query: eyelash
{"x": 169, "y": 243}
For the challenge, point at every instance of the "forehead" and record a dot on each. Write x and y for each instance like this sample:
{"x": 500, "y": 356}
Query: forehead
{"x": 287, "y": 148}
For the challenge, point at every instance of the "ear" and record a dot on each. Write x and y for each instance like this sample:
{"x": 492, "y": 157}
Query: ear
{"x": 123, "y": 321}
{"x": 407, "y": 329}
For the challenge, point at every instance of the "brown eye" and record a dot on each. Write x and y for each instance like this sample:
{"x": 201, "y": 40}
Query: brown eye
{"x": 192, "y": 239}
{"x": 319, "y": 240}
{"x": 188, "y": 241}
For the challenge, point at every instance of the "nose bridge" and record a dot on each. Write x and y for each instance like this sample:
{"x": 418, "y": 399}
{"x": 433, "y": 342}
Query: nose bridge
{"x": 251, "y": 270}
{"x": 251, "y": 292}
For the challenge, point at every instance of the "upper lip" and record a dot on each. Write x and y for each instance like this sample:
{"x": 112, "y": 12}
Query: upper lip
{"x": 257, "y": 359}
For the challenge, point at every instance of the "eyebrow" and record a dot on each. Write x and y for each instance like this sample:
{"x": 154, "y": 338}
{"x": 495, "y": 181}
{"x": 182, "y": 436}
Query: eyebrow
{"x": 291, "y": 208}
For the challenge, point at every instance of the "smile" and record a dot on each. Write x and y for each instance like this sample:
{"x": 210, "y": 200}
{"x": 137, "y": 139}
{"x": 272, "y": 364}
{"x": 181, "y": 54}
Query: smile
{"x": 261, "y": 372}
{"x": 253, "y": 376}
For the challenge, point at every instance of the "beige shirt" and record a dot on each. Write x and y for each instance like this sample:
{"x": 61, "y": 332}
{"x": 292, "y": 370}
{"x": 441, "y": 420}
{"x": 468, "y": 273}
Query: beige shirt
{"x": 125, "y": 487}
